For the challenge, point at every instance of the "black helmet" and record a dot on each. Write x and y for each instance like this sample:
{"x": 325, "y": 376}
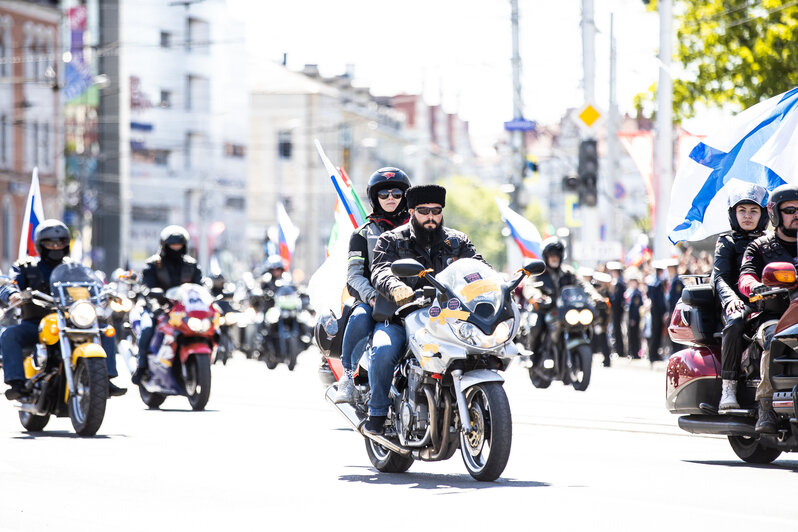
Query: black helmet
{"x": 552, "y": 246}
{"x": 53, "y": 230}
{"x": 779, "y": 195}
{"x": 174, "y": 234}
{"x": 752, "y": 194}
{"x": 388, "y": 177}
{"x": 274, "y": 262}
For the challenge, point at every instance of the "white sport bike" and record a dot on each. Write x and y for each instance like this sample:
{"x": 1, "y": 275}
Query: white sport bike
{"x": 446, "y": 391}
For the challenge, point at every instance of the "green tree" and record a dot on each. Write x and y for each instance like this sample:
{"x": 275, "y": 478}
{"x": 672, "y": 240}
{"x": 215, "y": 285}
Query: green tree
{"x": 733, "y": 52}
{"x": 471, "y": 208}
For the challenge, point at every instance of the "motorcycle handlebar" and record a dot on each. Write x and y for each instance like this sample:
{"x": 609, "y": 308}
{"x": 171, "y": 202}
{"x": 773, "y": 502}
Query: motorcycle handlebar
{"x": 753, "y": 298}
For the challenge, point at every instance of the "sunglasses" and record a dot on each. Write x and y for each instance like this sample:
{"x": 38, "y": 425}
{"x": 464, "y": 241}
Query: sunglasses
{"x": 789, "y": 210}
{"x": 429, "y": 210}
{"x": 395, "y": 193}
{"x": 54, "y": 243}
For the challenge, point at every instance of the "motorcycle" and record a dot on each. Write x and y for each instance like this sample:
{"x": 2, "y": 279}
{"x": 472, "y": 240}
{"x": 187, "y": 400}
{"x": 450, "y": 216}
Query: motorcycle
{"x": 185, "y": 337}
{"x": 693, "y": 377}
{"x": 446, "y": 391}
{"x": 286, "y": 328}
{"x": 565, "y": 349}
{"x": 66, "y": 371}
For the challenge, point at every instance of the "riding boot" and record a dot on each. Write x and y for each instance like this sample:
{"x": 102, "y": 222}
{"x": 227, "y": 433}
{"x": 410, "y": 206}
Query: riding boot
{"x": 728, "y": 397}
{"x": 767, "y": 422}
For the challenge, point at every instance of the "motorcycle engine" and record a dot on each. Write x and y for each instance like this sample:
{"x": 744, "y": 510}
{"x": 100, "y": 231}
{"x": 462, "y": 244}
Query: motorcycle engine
{"x": 413, "y": 410}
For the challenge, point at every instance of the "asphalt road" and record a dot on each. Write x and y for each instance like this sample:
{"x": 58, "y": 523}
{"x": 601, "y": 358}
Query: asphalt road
{"x": 271, "y": 453}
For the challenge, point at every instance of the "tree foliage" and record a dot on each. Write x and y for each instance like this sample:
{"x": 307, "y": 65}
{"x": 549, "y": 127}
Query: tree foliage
{"x": 471, "y": 208}
{"x": 733, "y": 52}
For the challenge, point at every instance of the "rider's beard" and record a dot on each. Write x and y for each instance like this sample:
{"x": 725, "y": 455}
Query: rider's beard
{"x": 791, "y": 233}
{"x": 427, "y": 236}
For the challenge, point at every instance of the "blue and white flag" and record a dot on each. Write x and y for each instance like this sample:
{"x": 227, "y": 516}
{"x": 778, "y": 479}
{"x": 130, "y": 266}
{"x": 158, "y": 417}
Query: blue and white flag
{"x": 759, "y": 145}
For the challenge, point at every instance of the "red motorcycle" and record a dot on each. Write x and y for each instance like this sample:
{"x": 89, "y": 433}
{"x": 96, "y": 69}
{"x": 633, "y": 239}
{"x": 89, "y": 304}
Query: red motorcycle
{"x": 693, "y": 386}
{"x": 182, "y": 347}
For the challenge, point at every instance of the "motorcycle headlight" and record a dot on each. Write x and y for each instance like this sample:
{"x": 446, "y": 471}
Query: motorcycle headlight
{"x": 272, "y": 315}
{"x": 502, "y": 332}
{"x": 83, "y": 314}
{"x": 122, "y": 304}
{"x": 465, "y": 332}
{"x": 198, "y": 325}
{"x": 585, "y": 316}
{"x": 572, "y": 317}
{"x": 288, "y": 302}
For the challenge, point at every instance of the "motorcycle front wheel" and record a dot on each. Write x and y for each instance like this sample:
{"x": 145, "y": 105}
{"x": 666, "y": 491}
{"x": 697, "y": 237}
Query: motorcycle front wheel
{"x": 151, "y": 399}
{"x": 387, "y": 461}
{"x": 752, "y": 451}
{"x": 87, "y": 401}
{"x": 581, "y": 367}
{"x": 486, "y": 448}
{"x": 198, "y": 381}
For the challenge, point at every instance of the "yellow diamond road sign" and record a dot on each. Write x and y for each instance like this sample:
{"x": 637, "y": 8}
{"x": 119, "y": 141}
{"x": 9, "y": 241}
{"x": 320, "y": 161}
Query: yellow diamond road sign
{"x": 589, "y": 115}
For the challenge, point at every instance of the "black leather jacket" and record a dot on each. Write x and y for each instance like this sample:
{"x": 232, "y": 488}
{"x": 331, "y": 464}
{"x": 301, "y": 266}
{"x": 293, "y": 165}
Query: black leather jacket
{"x": 764, "y": 250}
{"x": 729, "y": 252}
{"x": 401, "y": 243}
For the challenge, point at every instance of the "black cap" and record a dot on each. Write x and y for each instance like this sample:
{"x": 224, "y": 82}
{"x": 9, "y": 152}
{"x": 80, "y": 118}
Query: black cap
{"x": 421, "y": 194}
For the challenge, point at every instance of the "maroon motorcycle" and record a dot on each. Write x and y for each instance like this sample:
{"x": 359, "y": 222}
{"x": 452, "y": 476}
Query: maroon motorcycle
{"x": 693, "y": 381}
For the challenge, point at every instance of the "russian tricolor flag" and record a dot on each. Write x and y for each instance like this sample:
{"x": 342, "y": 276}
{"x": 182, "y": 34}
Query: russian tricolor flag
{"x": 343, "y": 187}
{"x": 287, "y": 235}
{"x": 524, "y": 232}
{"x": 34, "y": 215}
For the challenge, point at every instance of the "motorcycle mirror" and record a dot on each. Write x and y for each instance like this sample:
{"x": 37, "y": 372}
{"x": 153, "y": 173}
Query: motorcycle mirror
{"x": 535, "y": 267}
{"x": 406, "y": 268}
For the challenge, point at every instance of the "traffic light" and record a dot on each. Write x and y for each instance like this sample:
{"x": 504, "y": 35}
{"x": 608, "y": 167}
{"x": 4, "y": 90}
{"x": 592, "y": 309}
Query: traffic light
{"x": 588, "y": 173}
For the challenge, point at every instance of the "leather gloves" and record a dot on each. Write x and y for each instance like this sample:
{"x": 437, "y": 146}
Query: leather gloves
{"x": 402, "y": 295}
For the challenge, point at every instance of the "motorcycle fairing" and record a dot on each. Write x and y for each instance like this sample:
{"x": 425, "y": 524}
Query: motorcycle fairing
{"x": 196, "y": 347}
{"x": 692, "y": 378}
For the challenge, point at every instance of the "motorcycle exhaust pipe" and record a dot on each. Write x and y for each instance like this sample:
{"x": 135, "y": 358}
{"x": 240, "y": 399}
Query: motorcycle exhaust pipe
{"x": 702, "y": 425}
{"x": 350, "y": 414}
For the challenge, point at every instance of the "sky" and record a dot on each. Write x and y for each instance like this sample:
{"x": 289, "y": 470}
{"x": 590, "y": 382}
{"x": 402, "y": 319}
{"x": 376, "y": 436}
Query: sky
{"x": 458, "y": 52}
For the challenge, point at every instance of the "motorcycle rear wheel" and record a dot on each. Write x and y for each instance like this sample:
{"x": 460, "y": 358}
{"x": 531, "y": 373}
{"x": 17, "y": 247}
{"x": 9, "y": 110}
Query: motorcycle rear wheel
{"x": 752, "y": 451}
{"x": 33, "y": 423}
{"x": 387, "y": 461}
{"x": 486, "y": 450}
{"x": 87, "y": 401}
{"x": 198, "y": 383}
{"x": 582, "y": 364}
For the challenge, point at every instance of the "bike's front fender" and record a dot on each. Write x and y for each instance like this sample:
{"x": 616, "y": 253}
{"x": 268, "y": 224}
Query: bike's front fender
{"x": 478, "y": 376}
{"x": 87, "y": 350}
{"x": 196, "y": 347}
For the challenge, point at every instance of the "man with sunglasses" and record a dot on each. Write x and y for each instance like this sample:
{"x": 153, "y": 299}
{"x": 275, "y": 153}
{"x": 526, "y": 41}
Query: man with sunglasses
{"x": 779, "y": 246}
{"x": 426, "y": 240}
{"x": 51, "y": 240}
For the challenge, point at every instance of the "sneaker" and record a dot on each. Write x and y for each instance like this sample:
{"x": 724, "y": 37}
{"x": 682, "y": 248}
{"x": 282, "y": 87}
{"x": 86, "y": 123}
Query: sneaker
{"x": 375, "y": 424}
{"x": 728, "y": 396}
{"x": 767, "y": 421}
{"x": 114, "y": 390}
{"x": 347, "y": 393}
{"x": 17, "y": 390}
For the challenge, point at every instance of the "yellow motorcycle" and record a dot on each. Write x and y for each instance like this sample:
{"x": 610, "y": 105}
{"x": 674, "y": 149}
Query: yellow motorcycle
{"x": 66, "y": 371}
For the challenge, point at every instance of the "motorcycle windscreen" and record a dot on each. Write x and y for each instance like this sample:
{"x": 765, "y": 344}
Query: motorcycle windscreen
{"x": 476, "y": 285}
{"x": 193, "y": 297}
{"x": 79, "y": 282}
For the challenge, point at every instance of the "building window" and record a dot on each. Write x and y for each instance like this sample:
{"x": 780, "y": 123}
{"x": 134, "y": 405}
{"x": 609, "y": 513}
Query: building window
{"x": 4, "y": 141}
{"x": 198, "y": 94}
{"x": 9, "y": 217}
{"x": 198, "y": 36}
{"x": 166, "y": 99}
{"x": 166, "y": 39}
{"x": 44, "y": 158}
{"x": 234, "y": 150}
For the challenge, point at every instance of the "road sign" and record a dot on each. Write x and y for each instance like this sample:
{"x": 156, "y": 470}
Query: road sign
{"x": 589, "y": 115}
{"x": 520, "y": 124}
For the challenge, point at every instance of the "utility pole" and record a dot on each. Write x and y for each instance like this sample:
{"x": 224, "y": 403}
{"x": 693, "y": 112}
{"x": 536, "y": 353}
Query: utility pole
{"x": 590, "y": 221}
{"x": 663, "y": 153}
{"x": 519, "y": 150}
{"x": 612, "y": 131}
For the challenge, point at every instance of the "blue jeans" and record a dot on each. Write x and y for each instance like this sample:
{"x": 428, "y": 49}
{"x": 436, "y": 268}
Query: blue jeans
{"x": 387, "y": 348}
{"x": 358, "y": 327}
{"x": 25, "y": 335}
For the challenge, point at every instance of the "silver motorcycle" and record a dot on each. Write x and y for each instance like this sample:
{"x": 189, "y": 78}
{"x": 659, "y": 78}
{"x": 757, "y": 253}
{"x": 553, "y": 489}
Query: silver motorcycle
{"x": 446, "y": 391}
